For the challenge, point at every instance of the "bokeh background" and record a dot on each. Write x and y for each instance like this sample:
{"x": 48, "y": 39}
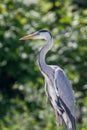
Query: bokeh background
{"x": 23, "y": 104}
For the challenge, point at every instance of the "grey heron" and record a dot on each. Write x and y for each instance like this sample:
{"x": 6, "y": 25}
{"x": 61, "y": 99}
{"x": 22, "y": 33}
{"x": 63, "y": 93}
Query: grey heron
{"x": 57, "y": 86}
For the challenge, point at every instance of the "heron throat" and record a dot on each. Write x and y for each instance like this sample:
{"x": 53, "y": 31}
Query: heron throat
{"x": 42, "y": 54}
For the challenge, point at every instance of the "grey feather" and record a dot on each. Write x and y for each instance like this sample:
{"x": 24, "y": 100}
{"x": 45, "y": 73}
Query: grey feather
{"x": 64, "y": 88}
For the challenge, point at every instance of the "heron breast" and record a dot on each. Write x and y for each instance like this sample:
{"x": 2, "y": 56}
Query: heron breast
{"x": 50, "y": 91}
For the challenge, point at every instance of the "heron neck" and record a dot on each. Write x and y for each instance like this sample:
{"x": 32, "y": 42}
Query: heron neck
{"x": 42, "y": 54}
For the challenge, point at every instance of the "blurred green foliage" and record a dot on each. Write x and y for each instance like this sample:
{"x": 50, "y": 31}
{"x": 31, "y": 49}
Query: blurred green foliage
{"x": 22, "y": 98}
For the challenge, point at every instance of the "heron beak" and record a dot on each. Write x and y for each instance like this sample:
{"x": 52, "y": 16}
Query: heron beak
{"x": 31, "y": 36}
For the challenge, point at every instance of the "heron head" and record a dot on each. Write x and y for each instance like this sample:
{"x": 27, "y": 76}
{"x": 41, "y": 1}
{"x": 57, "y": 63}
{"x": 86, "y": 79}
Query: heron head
{"x": 41, "y": 34}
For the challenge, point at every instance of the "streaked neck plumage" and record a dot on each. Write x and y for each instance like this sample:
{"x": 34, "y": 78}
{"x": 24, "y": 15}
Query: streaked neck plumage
{"x": 42, "y": 54}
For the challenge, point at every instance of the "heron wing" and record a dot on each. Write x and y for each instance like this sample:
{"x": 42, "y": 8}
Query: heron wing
{"x": 64, "y": 90}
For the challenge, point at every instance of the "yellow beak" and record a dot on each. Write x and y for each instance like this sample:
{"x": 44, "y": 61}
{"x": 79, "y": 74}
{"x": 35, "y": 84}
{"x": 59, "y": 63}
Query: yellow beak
{"x": 28, "y": 37}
